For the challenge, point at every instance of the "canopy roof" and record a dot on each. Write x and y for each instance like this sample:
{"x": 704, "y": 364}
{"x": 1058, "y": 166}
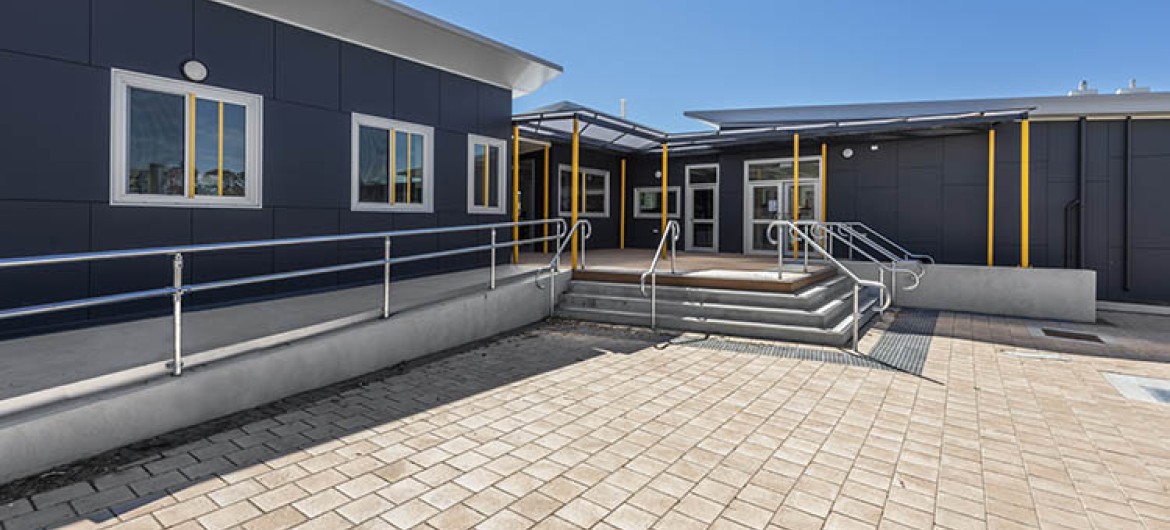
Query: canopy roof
{"x": 1137, "y": 104}
{"x": 390, "y": 27}
{"x": 604, "y": 131}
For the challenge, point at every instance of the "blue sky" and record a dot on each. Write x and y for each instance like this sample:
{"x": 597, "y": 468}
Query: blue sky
{"x": 666, "y": 57}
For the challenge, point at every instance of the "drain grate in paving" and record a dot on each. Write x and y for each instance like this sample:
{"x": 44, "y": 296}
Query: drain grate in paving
{"x": 1035, "y": 355}
{"x": 1148, "y": 389}
{"x": 1162, "y": 395}
{"x": 905, "y": 344}
{"x": 781, "y": 350}
{"x": 903, "y": 347}
{"x": 1071, "y": 335}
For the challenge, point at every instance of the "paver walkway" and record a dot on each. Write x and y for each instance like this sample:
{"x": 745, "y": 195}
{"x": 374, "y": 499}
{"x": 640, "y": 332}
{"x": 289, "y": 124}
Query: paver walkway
{"x": 575, "y": 425}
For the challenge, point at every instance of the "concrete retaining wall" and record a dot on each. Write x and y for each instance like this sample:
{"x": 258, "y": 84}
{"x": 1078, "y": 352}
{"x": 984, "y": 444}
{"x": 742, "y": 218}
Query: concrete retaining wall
{"x": 41, "y": 439}
{"x": 1055, "y": 294}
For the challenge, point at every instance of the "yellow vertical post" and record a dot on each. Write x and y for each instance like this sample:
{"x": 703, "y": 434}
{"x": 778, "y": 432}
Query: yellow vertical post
{"x": 622, "y": 222}
{"x": 795, "y": 186}
{"x": 824, "y": 178}
{"x": 220, "y": 185}
{"x": 1024, "y": 195}
{"x": 393, "y": 180}
{"x": 515, "y": 193}
{"x": 487, "y": 173}
{"x": 546, "y": 192}
{"x": 575, "y": 196}
{"x": 663, "y": 202}
{"x": 191, "y": 146}
{"x": 990, "y": 197}
{"x": 409, "y": 168}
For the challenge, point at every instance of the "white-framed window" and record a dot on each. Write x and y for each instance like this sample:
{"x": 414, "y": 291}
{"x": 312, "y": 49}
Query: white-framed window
{"x": 392, "y": 165}
{"x": 174, "y": 143}
{"x": 593, "y": 193}
{"x": 648, "y": 202}
{"x": 486, "y": 170}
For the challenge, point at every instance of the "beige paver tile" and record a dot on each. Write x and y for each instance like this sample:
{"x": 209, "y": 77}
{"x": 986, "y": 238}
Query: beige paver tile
{"x": 582, "y": 512}
{"x": 365, "y": 508}
{"x": 505, "y": 520}
{"x": 458, "y": 517}
{"x": 234, "y": 515}
{"x": 281, "y": 518}
{"x": 321, "y": 502}
{"x": 410, "y": 514}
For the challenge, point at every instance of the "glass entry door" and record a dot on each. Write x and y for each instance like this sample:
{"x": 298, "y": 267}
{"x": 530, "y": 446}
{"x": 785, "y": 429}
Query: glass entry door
{"x": 702, "y": 208}
{"x": 768, "y": 188}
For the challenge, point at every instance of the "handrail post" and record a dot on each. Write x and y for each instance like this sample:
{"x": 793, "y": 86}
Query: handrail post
{"x": 673, "y": 244}
{"x": 806, "y": 254}
{"x": 654, "y": 301}
{"x": 386, "y": 277}
{"x": 492, "y": 267}
{"x": 177, "y": 300}
{"x": 856, "y": 316}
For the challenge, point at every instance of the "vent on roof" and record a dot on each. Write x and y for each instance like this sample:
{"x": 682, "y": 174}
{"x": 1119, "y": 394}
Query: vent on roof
{"x": 1133, "y": 88}
{"x": 1083, "y": 89}
{"x": 1072, "y": 335}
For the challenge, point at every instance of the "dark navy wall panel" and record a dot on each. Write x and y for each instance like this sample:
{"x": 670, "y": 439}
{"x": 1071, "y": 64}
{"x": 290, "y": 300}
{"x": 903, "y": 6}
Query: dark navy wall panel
{"x": 122, "y": 227}
{"x": 367, "y": 81}
{"x": 302, "y": 222}
{"x": 920, "y": 208}
{"x": 416, "y": 93}
{"x": 66, "y": 107}
{"x": 30, "y": 228}
{"x": 236, "y": 46}
{"x": 307, "y": 67}
{"x": 142, "y": 35}
{"x": 459, "y": 103}
{"x": 310, "y": 84}
{"x": 61, "y": 32}
{"x": 307, "y": 152}
{"x": 495, "y": 111}
{"x": 451, "y": 169}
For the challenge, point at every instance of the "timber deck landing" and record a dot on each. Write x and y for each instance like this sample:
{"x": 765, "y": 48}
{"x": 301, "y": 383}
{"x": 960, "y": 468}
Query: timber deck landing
{"x": 701, "y": 270}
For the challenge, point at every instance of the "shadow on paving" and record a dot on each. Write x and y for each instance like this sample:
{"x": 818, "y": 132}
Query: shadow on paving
{"x": 143, "y": 472}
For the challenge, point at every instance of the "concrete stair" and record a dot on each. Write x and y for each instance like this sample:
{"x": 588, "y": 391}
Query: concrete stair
{"x": 820, "y": 314}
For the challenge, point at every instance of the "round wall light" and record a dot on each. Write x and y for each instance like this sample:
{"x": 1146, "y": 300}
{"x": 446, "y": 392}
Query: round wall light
{"x": 194, "y": 70}
{"x": 847, "y": 153}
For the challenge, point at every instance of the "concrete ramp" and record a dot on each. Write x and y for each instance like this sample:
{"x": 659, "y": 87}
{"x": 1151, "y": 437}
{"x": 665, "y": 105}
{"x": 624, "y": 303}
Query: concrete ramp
{"x": 36, "y": 438}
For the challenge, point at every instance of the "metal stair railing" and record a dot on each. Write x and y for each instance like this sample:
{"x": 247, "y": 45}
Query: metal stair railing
{"x": 796, "y": 232}
{"x": 863, "y": 231}
{"x": 671, "y": 231}
{"x": 830, "y": 232}
{"x": 554, "y": 265}
{"x": 177, "y": 290}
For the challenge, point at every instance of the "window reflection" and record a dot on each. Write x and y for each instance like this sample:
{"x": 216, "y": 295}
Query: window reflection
{"x": 156, "y": 150}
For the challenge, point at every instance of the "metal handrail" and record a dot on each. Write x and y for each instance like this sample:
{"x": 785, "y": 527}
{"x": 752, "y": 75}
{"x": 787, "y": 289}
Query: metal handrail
{"x": 178, "y": 289}
{"x": 906, "y": 254}
{"x": 554, "y": 265}
{"x": 672, "y": 230}
{"x": 795, "y": 231}
{"x": 827, "y": 229}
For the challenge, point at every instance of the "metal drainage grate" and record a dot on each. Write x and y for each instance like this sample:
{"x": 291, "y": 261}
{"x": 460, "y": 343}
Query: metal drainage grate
{"x": 1035, "y": 355}
{"x": 1161, "y": 395}
{"x": 903, "y": 347}
{"x": 1139, "y": 388}
{"x": 905, "y": 343}
{"x": 1071, "y": 335}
